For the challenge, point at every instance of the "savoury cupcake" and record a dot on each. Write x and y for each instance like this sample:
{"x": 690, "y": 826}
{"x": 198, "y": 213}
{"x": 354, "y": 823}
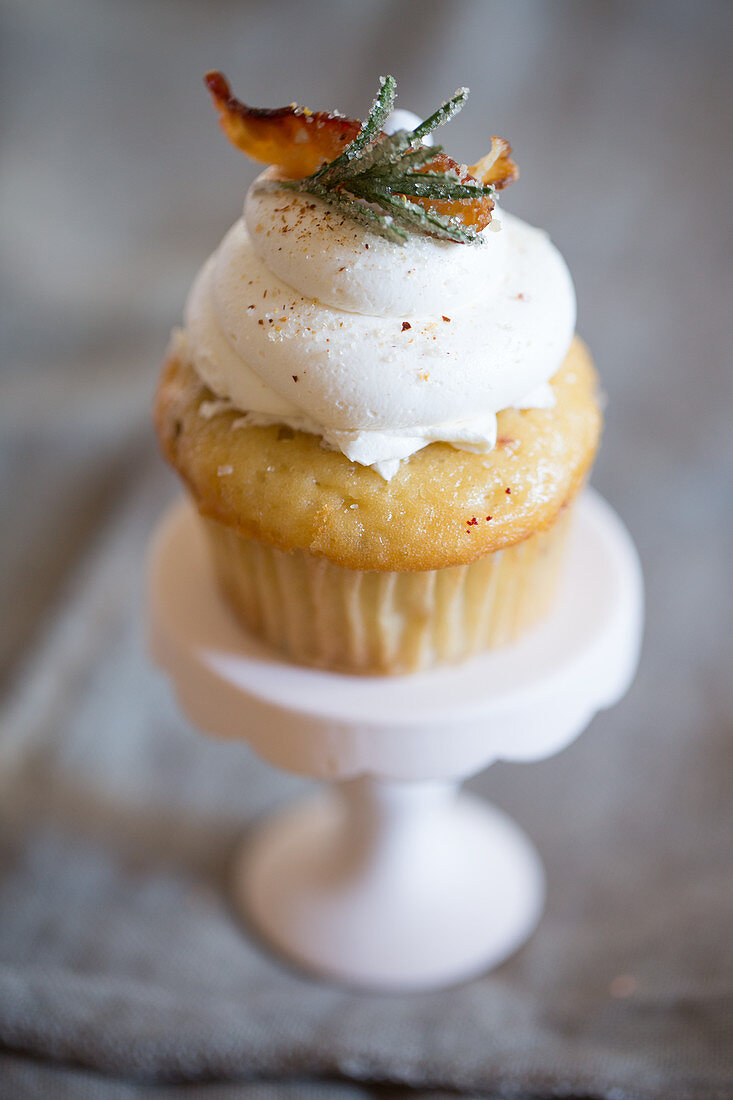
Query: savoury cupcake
{"x": 377, "y": 400}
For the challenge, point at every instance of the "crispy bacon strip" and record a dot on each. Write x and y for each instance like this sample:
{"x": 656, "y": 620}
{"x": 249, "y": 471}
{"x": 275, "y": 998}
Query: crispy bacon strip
{"x": 297, "y": 140}
{"x": 473, "y": 212}
{"x": 497, "y": 167}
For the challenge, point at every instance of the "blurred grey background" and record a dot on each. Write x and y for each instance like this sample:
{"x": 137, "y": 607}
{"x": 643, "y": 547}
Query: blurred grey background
{"x": 115, "y": 183}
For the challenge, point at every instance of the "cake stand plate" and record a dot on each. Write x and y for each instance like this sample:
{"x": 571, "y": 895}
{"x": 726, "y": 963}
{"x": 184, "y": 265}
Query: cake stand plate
{"x": 391, "y": 879}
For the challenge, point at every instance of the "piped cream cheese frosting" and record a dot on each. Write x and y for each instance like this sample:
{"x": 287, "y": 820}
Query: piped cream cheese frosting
{"x": 304, "y": 317}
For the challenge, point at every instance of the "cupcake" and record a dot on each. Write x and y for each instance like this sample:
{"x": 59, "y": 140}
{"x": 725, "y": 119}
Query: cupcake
{"x": 377, "y": 400}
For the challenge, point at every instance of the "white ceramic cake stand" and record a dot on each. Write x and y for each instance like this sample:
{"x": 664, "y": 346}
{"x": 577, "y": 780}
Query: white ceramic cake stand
{"x": 391, "y": 879}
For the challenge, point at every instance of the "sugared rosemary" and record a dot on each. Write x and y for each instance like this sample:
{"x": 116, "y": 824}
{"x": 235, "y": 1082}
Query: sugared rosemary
{"x": 374, "y": 179}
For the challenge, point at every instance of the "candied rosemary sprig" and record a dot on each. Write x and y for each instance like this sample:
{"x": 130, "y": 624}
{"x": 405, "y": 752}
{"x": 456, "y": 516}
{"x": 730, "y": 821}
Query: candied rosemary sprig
{"x": 374, "y": 179}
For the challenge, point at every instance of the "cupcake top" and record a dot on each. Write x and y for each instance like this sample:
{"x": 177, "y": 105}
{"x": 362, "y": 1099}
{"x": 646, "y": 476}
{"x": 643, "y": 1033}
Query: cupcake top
{"x": 379, "y": 343}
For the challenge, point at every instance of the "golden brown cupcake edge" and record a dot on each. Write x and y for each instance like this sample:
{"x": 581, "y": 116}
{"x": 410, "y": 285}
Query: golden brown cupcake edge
{"x": 443, "y": 508}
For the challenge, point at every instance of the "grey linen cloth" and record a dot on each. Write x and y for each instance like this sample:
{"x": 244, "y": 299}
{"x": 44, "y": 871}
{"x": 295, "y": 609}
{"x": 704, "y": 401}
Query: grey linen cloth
{"x": 124, "y": 970}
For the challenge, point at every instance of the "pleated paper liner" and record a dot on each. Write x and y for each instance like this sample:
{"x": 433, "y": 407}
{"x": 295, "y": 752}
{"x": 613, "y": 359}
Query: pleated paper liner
{"x": 319, "y": 614}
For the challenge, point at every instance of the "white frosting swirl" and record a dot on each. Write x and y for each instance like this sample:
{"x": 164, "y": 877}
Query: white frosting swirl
{"x": 329, "y": 257}
{"x": 303, "y": 317}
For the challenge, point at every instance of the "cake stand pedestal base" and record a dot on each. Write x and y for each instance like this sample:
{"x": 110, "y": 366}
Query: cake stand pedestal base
{"x": 391, "y": 886}
{"x": 391, "y": 879}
